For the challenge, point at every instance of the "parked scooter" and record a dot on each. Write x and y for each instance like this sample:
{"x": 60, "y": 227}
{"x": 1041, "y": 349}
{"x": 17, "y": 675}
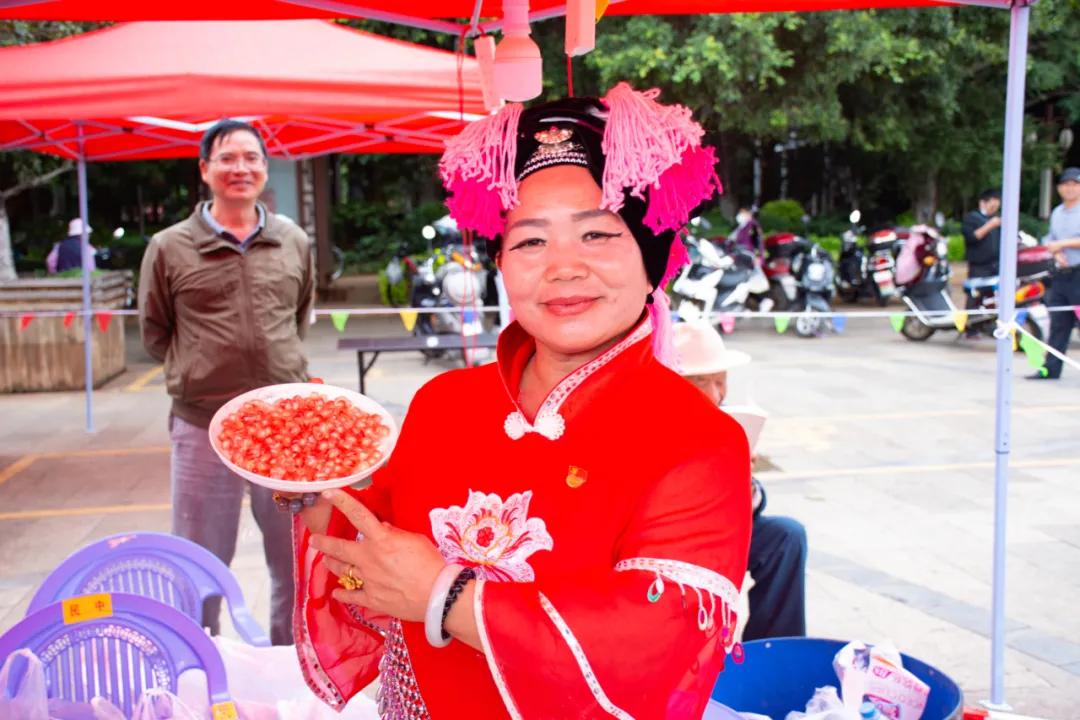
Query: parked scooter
{"x": 780, "y": 250}
{"x": 923, "y": 274}
{"x": 866, "y": 271}
{"x": 721, "y": 277}
{"x": 813, "y": 271}
{"x": 453, "y": 278}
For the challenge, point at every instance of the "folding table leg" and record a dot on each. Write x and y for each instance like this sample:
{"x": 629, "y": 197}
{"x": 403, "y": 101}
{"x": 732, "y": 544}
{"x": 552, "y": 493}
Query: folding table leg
{"x": 363, "y": 372}
{"x": 364, "y": 367}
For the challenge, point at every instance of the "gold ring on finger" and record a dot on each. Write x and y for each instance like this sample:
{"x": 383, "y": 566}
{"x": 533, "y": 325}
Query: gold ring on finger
{"x": 349, "y": 581}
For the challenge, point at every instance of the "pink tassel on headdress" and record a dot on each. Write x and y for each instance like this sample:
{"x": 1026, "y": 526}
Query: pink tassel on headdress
{"x": 478, "y": 170}
{"x": 642, "y": 139}
{"x": 660, "y": 309}
{"x": 677, "y": 257}
{"x": 681, "y": 188}
{"x": 663, "y": 337}
{"x": 475, "y": 207}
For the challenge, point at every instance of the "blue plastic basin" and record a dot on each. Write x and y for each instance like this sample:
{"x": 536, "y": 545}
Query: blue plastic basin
{"x": 780, "y": 675}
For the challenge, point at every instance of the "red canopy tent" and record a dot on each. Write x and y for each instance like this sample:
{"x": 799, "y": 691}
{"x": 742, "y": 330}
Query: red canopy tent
{"x": 150, "y": 90}
{"x": 431, "y": 14}
{"x": 312, "y": 87}
{"x": 396, "y": 11}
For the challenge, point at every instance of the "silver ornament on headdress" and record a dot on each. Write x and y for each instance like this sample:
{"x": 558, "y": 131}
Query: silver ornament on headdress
{"x": 556, "y": 146}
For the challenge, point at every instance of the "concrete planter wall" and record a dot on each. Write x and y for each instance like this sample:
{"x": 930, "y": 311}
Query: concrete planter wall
{"x": 47, "y": 355}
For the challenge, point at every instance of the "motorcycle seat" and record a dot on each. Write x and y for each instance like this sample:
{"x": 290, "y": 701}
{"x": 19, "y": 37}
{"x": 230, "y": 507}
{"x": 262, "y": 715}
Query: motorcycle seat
{"x": 980, "y": 283}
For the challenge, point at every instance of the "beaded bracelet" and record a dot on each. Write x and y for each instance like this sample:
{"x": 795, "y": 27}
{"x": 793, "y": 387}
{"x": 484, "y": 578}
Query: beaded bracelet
{"x": 451, "y": 597}
{"x": 293, "y": 503}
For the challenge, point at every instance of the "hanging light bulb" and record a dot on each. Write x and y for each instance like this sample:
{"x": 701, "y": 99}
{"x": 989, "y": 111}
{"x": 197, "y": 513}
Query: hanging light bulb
{"x": 518, "y": 66}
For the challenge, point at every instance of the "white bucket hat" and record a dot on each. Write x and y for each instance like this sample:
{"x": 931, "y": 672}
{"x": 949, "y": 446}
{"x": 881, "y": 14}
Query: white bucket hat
{"x": 701, "y": 350}
{"x": 75, "y": 227}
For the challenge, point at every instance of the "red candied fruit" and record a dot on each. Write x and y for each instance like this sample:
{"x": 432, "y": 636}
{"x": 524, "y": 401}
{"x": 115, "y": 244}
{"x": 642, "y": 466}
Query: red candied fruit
{"x": 304, "y": 438}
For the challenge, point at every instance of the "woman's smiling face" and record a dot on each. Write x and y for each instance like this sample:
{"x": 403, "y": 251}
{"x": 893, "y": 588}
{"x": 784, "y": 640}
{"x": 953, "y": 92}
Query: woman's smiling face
{"x": 573, "y": 272}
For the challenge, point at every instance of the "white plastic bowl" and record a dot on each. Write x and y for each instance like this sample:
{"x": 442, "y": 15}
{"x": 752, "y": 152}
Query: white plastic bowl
{"x": 273, "y": 393}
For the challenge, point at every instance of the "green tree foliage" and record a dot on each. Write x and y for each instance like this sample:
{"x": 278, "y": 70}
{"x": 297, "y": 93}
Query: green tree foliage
{"x": 786, "y": 215}
{"x": 907, "y": 100}
{"x": 891, "y": 110}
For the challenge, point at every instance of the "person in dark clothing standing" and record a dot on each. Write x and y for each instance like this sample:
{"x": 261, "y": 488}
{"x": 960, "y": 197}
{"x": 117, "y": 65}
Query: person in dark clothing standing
{"x": 224, "y": 302}
{"x": 1063, "y": 241}
{"x": 982, "y": 243}
{"x": 982, "y": 236}
{"x": 67, "y": 254}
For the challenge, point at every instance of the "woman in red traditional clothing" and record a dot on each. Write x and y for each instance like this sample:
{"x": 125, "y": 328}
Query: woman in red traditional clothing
{"x": 586, "y": 564}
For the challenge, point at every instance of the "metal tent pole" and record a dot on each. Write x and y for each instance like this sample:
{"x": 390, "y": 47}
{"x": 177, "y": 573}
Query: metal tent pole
{"x": 88, "y": 318}
{"x": 1010, "y": 217}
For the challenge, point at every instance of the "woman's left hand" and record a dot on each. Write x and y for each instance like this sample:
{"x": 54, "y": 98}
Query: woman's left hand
{"x": 398, "y": 568}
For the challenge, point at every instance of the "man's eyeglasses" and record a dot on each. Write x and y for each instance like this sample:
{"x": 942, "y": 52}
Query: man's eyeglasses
{"x": 254, "y": 161}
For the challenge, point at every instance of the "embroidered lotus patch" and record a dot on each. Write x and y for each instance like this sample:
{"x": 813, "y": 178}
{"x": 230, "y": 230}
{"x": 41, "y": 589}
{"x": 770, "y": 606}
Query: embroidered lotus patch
{"x": 494, "y": 537}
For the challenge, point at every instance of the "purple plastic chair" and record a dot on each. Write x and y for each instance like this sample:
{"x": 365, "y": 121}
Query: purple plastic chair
{"x": 142, "y": 644}
{"x": 167, "y": 568}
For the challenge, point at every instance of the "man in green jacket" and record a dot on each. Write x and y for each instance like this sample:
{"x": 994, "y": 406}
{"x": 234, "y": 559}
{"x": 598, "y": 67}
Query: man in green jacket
{"x": 224, "y": 301}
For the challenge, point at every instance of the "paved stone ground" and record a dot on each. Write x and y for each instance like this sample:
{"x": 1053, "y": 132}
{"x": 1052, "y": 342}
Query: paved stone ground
{"x": 882, "y": 447}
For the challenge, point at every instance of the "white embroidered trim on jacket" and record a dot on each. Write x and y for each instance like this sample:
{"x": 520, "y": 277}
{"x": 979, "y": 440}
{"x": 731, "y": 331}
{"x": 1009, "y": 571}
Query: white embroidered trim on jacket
{"x": 496, "y": 674}
{"x": 686, "y": 574}
{"x": 549, "y": 422}
{"x": 583, "y": 662}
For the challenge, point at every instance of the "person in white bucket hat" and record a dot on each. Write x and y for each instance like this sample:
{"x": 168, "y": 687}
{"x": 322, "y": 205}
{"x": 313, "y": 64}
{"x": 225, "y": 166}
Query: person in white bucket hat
{"x": 703, "y": 359}
{"x": 777, "y": 544}
{"x": 67, "y": 254}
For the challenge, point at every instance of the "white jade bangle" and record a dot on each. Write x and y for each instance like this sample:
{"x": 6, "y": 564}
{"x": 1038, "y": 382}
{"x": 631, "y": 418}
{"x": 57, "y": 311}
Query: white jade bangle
{"x": 433, "y": 618}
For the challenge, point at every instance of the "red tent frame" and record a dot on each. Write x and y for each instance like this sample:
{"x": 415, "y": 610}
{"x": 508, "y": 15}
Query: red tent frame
{"x": 338, "y": 90}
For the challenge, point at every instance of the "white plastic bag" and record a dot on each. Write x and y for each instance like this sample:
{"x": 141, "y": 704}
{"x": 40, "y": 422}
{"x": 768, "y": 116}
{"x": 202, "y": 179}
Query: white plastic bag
{"x": 22, "y": 687}
{"x": 824, "y": 705}
{"x": 23, "y": 695}
{"x": 262, "y": 674}
{"x": 159, "y": 704}
{"x": 266, "y": 683}
{"x": 105, "y": 710}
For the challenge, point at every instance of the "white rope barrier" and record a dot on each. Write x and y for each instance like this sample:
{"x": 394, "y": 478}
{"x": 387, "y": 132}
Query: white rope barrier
{"x": 1005, "y": 329}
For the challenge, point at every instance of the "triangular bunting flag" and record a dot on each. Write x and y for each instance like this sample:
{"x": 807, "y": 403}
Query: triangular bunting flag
{"x": 1033, "y": 351}
{"x": 1021, "y": 317}
{"x": 68, "y": 319}
{"x": 1076, "y": 309}
{"x": 839, "y": 322}
{"x": 25, "y": 320}
{"x": 960, "y": 320}
{"x": 408, "y": 319}
{"x": 339, "y": 318}
{"x": 727, "y": 322}
{"x": 781, "y": 322}
{"x": 103, "y": 319}
{"x": 897, "y": 322}
{"x": 601, "y": 8}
